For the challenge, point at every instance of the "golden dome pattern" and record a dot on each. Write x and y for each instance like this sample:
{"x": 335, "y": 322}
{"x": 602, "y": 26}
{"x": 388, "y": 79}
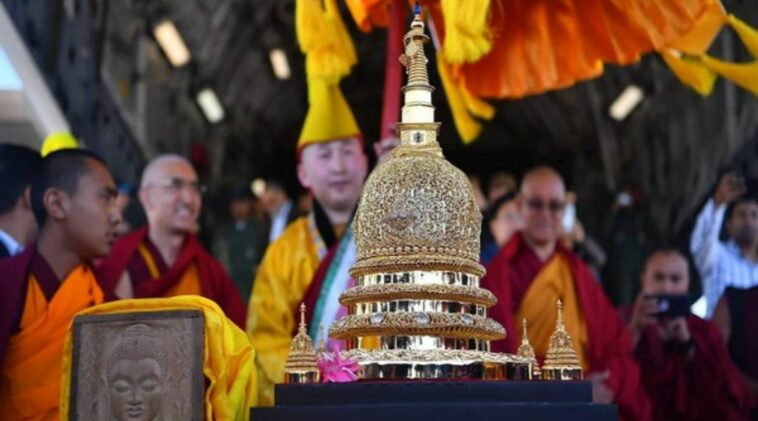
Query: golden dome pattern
{"x": 417, "y": 213}
{"x": 417, "y": 310}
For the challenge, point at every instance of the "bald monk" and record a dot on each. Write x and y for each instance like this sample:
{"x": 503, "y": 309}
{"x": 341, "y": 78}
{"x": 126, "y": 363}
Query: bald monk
{"x": 165, "y": 258}
{"x": 533, "y": 270}
{"x": 74, "y": 202}
{"x": 685, "y": 364}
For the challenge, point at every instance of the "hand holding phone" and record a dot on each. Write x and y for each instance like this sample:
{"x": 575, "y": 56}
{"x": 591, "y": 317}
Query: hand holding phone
{"x": 730, "y": 187}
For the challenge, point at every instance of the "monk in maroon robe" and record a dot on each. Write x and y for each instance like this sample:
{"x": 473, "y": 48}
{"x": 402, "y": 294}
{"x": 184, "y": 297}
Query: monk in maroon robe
{"x": 165, "y": 258}
{"x": 533, "y": 270}
{"x": 73, "y": 197}
{"x": 686, "y": 368}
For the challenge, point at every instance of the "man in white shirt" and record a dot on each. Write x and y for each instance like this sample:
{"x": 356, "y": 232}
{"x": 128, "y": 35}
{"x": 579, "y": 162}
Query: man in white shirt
{"x": 731, "y": 263}
{"x": 18, "y": 165}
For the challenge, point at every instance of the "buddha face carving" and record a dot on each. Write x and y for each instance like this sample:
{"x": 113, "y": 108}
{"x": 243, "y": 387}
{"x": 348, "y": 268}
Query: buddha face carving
{"x": 135, "y": 375}
{"x": 135, "y": 389}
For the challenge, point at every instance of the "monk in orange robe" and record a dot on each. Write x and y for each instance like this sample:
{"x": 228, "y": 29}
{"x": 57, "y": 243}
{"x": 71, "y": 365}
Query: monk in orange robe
{"x": 74, "y": 202}
{"x": 686, "y": 368}
{"x": 164, "y": 258}
{"x": 533, "y": 270}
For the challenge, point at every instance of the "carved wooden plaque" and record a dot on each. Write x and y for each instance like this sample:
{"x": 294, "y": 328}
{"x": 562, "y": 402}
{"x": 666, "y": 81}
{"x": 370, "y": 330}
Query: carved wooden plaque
{"x": 142, "y": 366}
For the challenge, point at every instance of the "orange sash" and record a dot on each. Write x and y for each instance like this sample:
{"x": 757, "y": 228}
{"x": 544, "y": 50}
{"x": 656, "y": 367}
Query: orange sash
{"x": 189, "y": 283}
{"x": 554, "y": 281}
{"x": 31, "y": 375}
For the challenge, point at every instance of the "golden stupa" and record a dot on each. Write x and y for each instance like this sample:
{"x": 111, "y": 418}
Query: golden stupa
{"x": 301, "y": 365}
{"x": 561, "y": 361}
{"x": 526, "y": 351}
{"x": 417, "y": 310}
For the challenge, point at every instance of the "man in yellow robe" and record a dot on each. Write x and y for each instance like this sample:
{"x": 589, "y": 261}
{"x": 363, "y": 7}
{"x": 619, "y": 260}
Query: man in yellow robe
{"x": 74, "y": 202}
{"x": 332, "y": 166}
{"x": 533, "y": 270}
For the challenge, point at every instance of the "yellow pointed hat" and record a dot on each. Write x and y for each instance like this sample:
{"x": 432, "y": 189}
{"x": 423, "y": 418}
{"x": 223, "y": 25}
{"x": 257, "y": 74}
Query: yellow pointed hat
{"x": 329, "y": 116}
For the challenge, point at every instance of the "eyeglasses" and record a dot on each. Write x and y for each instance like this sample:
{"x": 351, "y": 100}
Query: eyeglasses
{"x": 176, "y": 185}
{"x": 553, "y": 206}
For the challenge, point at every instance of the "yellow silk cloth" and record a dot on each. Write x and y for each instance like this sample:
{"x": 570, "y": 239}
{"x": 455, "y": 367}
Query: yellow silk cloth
{"x": 228, "y": 363}
{"x": 538, "y": 307}
{"x": 31, "y": 376}
{"x": 189, "y": 284}
{"x": 280, "y": 285}
{"x": 329, "y": 56}
{"x": 687, "y": 59}
{"x": 514, "y": 48}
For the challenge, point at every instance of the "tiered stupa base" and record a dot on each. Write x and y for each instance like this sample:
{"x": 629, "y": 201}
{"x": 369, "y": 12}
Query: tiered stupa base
{"x": 438, "y": 365}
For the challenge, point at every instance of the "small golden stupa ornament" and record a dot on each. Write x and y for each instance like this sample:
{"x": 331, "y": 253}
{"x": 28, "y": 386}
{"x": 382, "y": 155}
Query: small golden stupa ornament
{"x": 416, "y": 310}
{"x": 301, "y": 364}
{"x": 526, "y": 351}
{"x": 561, "y": 361}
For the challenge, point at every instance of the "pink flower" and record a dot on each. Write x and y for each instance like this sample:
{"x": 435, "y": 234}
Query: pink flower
{"x": 336, "y": 370}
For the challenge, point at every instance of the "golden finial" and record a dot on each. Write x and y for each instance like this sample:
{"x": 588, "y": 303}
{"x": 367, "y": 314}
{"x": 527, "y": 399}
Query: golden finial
{"x": 561, "y": 361}
{"x": 526, "y": 351}
{"x": 301, "y": 364}
{"x": 414, "y": 57}
{"x": 302, "y": 318}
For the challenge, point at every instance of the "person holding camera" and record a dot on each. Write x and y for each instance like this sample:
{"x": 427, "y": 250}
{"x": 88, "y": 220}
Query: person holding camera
{"x": 685, "y": 365}
{"x": 732, "y": 263}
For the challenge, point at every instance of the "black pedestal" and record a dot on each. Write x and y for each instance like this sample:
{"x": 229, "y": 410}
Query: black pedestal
{"x": 438, "y": 401}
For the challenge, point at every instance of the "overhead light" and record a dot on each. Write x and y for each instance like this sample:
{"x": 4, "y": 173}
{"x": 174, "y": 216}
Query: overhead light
{"x": 210, "y": 105}
{"x": 280, "y": 63}
{"x": 625, "y": 103}
{"x": 258, "y": 186}
{"x": 171, "y": 43}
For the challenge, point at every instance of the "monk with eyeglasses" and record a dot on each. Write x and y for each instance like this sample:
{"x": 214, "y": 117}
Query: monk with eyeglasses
{"x": 165, "y": 258}
{"x": 533, "y": 270}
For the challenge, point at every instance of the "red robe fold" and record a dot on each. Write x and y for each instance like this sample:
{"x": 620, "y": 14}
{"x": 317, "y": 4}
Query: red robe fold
{"x": 509, "y": 276}
{"x": 14, "y": 275}
{"x": 215, "y": 284}
{"x": 708, "y": 387}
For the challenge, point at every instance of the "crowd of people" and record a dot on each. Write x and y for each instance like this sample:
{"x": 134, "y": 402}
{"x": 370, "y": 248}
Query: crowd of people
{"x": 66, "y": 248}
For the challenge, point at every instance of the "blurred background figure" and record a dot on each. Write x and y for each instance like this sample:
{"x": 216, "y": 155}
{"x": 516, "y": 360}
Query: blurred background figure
{"x": 240, "y": 243}
{"x": 18, "y": 228}
{"x": 733, "y": 262}
{"x": 575, "y": 238}
{"x": 500, "y": 184}
{"x": 501, "y": 221}
{"x": 281, "y": 210}
{"x": 629, "y": 236}
{"x": 123, "y": 200}
{"x": 476, "y": 186}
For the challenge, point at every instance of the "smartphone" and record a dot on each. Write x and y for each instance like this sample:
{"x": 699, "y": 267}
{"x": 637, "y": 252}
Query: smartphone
{"x": 569, "y": 218}
{"x": 669, "y": 306}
